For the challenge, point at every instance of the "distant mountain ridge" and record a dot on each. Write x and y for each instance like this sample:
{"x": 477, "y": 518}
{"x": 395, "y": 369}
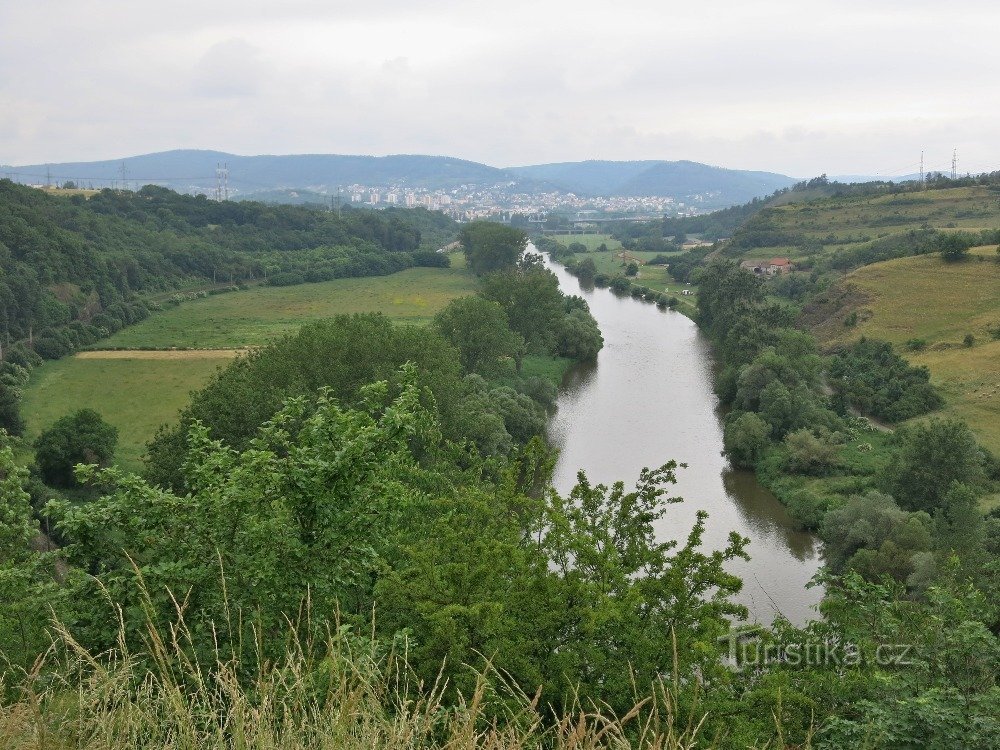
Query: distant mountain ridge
{"x": 195, "y": 170}
{"x": 678, "y": 179}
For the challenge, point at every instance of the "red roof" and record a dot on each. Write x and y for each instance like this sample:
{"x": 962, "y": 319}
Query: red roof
{"x": 780, "y": 262}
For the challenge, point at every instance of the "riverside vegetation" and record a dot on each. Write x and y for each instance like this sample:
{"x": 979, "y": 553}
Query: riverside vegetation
{"x": 364, "y": 550}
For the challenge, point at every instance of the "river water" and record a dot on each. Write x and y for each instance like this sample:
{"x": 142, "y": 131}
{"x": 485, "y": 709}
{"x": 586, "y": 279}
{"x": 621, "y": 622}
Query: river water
{"x": 648, "y": 399}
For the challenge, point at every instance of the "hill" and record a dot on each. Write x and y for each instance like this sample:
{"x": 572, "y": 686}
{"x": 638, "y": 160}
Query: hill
{"x": 679, "y": 179}
{"x": 277, "y": 176}
{"x": 926, "y": 307}
{"x": 194, "y": 170}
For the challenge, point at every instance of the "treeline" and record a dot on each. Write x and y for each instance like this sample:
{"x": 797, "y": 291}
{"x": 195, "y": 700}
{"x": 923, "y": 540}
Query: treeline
{"x": 73, "y": 270}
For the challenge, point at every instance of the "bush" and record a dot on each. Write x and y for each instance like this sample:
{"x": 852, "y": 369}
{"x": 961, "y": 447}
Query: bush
{"x": 82, "y": 437}
{"x": 745, "y": 438}
{"x": 808, "y": 453}
{"x": 916, "y": 345}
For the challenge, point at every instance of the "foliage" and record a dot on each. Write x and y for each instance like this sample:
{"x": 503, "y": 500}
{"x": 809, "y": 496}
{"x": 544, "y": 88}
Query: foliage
{"x": 809, "y": 452}
{"x": 876, "y": 380}
{"x": 932, "y": 456}
{"x": 873, "y": 536}
{"x": 745, "y": 439}
{"x": 82, "y": 437}
{"x": 478, "y": 329}
{"x": 492, "y": 247}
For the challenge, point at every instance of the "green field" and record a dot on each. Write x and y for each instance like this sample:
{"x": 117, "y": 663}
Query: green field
{"x": 592, "y": 241}
{"x": 135, "y": 395}
{"x": 253, "y": 316}
{"x": 922, "y": 297}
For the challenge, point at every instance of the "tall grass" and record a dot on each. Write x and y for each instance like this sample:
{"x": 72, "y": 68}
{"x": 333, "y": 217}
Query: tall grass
{"x": 340, "y": 691}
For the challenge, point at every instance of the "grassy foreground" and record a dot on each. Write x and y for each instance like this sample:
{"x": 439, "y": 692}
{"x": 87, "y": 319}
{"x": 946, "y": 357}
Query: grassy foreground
{"x": 338, "y": 694}
{"x": 939, "y": 303}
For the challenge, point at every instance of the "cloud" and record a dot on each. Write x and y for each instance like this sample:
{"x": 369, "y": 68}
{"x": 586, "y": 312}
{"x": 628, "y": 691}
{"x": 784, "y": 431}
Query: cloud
{"x": 230, "y": 68}
{"x": 803, "y": 88}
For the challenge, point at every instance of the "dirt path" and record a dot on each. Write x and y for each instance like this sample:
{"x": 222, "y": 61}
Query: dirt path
{"x": 163, "y": 354}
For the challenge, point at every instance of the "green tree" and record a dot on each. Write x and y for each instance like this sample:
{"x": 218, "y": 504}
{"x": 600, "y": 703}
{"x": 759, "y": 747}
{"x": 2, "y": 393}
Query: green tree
{"x": 809, "y": 453}
{"x": 27, "y": 582}
{"x": 931, "y": 457}
{"x": 745, "y": 439}
{"x": 311, "y": 508}
{"x": 530, "y": 296}
{"x": 577, "y": 336}
{"x": 632, "y": 269}
{"x": 873, "y": 535}
{"x": 586, "y": 270}
{"x": 954, "y": 246}
{"x": 82, "y": 437}
{"x": 490, "y": 247}
{"x": 479, "y": 330}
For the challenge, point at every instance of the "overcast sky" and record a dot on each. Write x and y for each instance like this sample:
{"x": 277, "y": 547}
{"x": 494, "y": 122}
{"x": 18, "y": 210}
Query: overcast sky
{"x": 793, "y": 86}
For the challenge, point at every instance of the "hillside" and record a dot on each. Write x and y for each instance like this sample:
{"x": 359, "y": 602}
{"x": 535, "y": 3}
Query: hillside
{"x": 277, "y": 176}
{"x": 194, "y": 170}
{"x": 680, "y": 179}
{"x": 849, "y": 230}
{"x": 926, "y": 307}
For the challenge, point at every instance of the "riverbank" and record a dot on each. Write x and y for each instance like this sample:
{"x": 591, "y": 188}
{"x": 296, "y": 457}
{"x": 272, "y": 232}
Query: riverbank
{"x": 648, "y": 399}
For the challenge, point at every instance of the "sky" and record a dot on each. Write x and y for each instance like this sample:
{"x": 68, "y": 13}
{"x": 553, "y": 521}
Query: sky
{"x": 801, "y": 87}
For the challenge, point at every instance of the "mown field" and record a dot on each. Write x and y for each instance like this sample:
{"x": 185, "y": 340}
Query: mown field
{"x": 939, "y": 303}
{"x": 136, "y": 395}
{"x": 137, "y": 391}
{"x": 253, "y": 316}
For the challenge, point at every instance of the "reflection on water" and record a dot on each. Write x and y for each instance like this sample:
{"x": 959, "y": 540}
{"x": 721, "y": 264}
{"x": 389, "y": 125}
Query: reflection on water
{"x": 648, "y": 399}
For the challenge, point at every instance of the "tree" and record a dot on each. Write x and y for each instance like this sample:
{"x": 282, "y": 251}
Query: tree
{"x": 931, "y": 457}
{"x": 872, "y": 535}
{"x": 27, "y": 583}
{"x": 632, "y": 269}
{"x": 577, "y": 336}
{"x": 530, "y": 296}
{"x": 745, "y": 439}
{"x": 491, "y": 247}
{"x": 809, "y": 453}
{"x": 954, "y": 246}
{"x": 82, "y": 437}
{"x": 479, "y": 329}
{"x": 586, "y": 270}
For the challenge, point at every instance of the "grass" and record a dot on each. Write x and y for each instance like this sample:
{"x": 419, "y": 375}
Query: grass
{"x": 141, "y": 390}
{"x": 254, "y": 316}
{"x": 333, "y": 693}
{"x": 135, "y": 395}
{"x": 923, "y": 297}
{"x": 592, "y": 241}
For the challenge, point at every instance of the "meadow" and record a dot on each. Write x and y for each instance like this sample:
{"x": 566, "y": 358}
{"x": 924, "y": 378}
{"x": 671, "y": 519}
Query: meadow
{"x": 937, "y": 303}
{"x": 253, "y": 316}
{"x": 135, "y": 394}
{"x": 137, "y": 391}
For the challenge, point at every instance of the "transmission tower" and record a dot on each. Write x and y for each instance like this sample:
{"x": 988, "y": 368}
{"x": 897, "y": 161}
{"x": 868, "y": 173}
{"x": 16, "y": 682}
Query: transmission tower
{"x": 954, "y": 164}
{"x": 221, "y": 182}
{"x": 921, "y": 170}
{"x": 124, "y": 172}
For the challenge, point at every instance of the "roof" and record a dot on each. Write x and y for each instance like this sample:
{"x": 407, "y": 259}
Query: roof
{"x": 780, "y": 262}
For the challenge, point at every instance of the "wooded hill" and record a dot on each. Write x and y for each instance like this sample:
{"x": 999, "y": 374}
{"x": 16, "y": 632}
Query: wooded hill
{"x": 74, "y": 270}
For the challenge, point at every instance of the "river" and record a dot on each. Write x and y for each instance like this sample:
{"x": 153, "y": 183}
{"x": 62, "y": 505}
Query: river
{"x": 648, "y": 399}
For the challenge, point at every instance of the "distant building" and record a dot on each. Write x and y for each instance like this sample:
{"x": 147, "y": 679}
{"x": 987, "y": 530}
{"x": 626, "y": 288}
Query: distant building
{"x": 771, "y": 267}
